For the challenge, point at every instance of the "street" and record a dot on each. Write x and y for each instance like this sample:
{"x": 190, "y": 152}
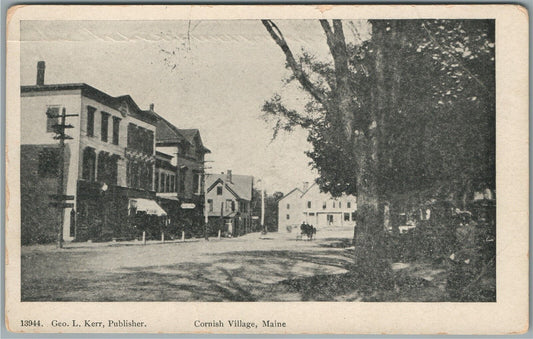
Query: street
{"x": 275, "y": 267}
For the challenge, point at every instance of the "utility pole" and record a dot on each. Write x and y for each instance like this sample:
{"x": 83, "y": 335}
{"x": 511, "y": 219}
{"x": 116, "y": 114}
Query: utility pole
{"x": 60, "y": 198}
{"x": 206, "y": 205}
{"x": 206, "y": 209}
{"x": 263, "y": 229}
{"x": 263, "y": 208}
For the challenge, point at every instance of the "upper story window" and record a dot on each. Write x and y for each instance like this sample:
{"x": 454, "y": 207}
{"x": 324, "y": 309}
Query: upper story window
{"x": 182, "y": 179}
{"x": 324, "y": 205}
{"x": 288, "y": 206}
{"x": 104, "y": 126}
{"x": 334, "y": 204}
{"x": 140, "y": 139}
{"x": 52, "y": 118}
{"x": 309, "y": 204}
{"x": 340, "y": 204}
{"x": 210, "y": 203}
{"x": 116, "y": 130}
{"x": 349, "y": 204}
{"x": 90, "y": 121}
{"x": 219, "y": 190}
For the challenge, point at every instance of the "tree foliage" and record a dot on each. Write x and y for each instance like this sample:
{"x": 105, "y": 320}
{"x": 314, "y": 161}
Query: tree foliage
{"x": 425, "y": 88}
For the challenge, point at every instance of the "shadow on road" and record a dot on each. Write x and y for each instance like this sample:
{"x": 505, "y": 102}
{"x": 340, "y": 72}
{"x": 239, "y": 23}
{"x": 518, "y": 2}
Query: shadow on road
{"x": 315, "y": 271}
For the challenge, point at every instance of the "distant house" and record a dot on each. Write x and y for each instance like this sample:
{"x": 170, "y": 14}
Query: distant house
{"x": 290, "y": 210}
{"x": 229, "y": 202}
{"x": 322, "y": 210}
{"x": 316, "y": 208}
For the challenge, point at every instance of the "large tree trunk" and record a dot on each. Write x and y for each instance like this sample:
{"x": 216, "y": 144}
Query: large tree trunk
{"x": 369, "y": 236}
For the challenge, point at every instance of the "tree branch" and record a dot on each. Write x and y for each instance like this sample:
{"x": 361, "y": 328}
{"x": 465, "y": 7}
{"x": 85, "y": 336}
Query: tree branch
{"x": 296, "y": 68}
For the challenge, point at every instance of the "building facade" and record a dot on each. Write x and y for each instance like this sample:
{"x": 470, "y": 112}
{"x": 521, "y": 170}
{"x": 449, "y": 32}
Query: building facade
{"x": 180, "y": 176}
{"x": 228, "y": 199}
{"x": 316, "y": 208}
{"x": 110, "y": 159}
{"x": 290, "y": 210}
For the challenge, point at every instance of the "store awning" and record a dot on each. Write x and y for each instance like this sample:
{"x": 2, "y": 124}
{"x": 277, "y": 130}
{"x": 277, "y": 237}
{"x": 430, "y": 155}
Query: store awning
{"x": 148, "y": 206}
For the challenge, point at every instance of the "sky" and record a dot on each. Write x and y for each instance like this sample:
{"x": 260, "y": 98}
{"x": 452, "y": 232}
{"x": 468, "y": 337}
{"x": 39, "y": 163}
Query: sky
{"x": 210, "y": 75}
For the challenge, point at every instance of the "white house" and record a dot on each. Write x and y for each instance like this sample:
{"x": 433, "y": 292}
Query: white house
{"x": 322, "y": 210}
{"x": 316, "y": 208}
{"x": 290, "y": 210}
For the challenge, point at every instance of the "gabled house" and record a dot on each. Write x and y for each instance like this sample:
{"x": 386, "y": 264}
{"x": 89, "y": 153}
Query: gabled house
{"x": 229, "y": 199}
{"x": 290, "y": 210}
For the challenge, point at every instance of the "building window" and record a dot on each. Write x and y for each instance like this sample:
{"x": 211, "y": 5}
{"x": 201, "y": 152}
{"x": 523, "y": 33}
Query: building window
{"x": 308, "y": 204}
{"x": 228, "y": 204}
{"x": 182, "y": 178}
{"x": 210, "y": 204}
{"x": 330, "y": 219}
{"x": 346, "y": 216}
{"x": 88, "y": 164}
{"x": 288, "y": 217}
{"x": 172, "y": 183}
{"x": 349, "y": 204}
{"x": 312, "y": 214}
{"x": 340, "y": 204}
{"x": 52, "y": 118}
{"x": 334, "y": 204}
{"x": 219, "y": 190}
{"x": 48, "y": 162}
{"x": 233, "y": 206}
{"x": 116, "y": 130}
{"x": 167, "y": 186}
{"x": 196, "y": 183}
{"x": 288, "y": 206}
{"x": 324, "y": 205}
{"x": 156, "y": 181}
{"x": 101, "y": 171}
{"x": 354, "y": 216}
{"x": 104, "y": 126}
{"x": 163, "y": 177}
{"x": 90, "y": 121}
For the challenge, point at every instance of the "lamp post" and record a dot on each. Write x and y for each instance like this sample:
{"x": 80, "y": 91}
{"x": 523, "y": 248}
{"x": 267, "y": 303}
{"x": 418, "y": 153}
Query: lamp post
{"x": 103, "y": 189}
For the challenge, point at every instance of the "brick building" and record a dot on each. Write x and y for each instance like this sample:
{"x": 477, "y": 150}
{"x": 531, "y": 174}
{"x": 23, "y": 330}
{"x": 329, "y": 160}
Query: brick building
{"x": 109, "y": 168}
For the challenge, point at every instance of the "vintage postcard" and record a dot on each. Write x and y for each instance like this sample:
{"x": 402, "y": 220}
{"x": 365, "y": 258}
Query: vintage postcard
{"x": 267, "y": 169}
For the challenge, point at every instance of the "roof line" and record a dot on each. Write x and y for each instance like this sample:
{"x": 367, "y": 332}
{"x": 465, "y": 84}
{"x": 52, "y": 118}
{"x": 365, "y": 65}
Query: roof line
{"x": 286, "y": 195}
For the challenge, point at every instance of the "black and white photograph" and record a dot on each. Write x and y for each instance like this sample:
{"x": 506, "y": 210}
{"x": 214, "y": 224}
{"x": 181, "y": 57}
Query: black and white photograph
{"x": 257, "y": 160}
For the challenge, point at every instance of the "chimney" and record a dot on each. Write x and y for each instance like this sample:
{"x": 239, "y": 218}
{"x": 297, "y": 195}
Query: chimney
{"x": 152, "y": 107}
{"x": 305, "y": 185}
{"x": 40, "y": 73}
{"x": 228, "y": 175}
